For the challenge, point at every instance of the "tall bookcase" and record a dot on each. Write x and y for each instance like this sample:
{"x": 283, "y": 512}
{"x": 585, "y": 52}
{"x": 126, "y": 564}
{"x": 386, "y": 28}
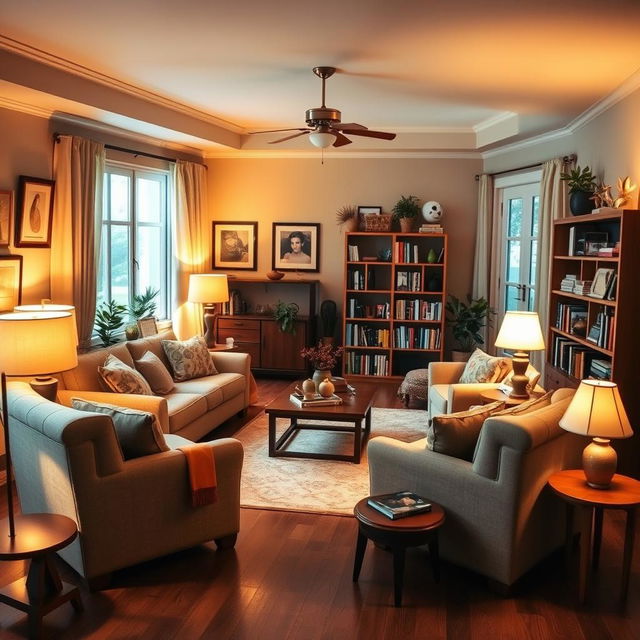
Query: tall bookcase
{"x": 612, "y": 332}
{"x": 394, "y": 296}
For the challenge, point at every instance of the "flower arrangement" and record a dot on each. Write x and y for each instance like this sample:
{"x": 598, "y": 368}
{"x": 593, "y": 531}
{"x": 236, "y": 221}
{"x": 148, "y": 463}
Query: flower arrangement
{"x": 323, "y": 357}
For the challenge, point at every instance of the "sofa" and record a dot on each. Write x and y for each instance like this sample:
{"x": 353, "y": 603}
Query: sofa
{"x": 191, "y": 410}
{"x": 70, "y": 462}
{"x": 501, "y": 518}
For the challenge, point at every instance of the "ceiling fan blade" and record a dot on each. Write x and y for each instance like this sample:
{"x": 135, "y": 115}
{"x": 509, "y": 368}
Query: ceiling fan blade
{"x": 276, "y": 130}
{"x": 370, "y": 134}
{"x": 341, "y": 140}
{"x": 295, "y": 135}
{"x": 347, "y": 125}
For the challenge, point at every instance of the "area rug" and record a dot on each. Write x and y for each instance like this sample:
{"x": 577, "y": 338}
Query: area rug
{"x": 316, "y": 486}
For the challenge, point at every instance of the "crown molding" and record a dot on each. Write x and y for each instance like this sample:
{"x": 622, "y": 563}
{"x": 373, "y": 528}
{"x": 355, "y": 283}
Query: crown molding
{"x": 492, "y": 121}
{"x": 528, "y": 142}
{"x": 23, "y": 107}
{"x": 338, "y": 155}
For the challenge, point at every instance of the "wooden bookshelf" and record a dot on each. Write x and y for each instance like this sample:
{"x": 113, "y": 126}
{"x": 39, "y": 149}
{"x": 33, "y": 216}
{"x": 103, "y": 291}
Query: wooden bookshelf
{"x": 393, "y": 305}
{"x": 621, "y": 349}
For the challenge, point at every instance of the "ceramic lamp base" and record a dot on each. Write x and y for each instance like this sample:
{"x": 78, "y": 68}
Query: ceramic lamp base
{"x": 519, "y": 381}
{"x": 47, "y": 387}
{"x": 599, "y": 461}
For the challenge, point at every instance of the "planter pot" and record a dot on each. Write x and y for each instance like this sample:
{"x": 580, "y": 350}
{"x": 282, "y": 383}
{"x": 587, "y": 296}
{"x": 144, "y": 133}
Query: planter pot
{"x": 132, "y": 332}
{"x": 352, "y": 224}
{"x": 406, "y": 225}
{"x": 580, "y": 203}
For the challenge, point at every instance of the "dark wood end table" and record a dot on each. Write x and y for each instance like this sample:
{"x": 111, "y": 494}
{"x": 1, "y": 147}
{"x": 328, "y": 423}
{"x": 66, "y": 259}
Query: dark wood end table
{"x": 38, "y": 537}
{"x": 624, "y": 493}
{"x": 399, "y": 534}
{"x": 495, "y": 395}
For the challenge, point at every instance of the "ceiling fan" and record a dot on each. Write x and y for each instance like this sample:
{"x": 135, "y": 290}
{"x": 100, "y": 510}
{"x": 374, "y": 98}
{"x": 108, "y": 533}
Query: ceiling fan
{"x": 325, "y": 128}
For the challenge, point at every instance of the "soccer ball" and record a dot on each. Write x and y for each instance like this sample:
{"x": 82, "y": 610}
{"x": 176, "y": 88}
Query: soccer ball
{"x": 432, "y": 211}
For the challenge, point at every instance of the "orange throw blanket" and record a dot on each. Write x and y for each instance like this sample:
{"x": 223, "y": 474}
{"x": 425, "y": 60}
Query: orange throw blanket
{"x": 202, "y": 474}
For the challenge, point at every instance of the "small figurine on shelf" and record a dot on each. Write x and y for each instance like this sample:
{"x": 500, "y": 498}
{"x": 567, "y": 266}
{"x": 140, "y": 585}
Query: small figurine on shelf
{"x": 625, "y": 189}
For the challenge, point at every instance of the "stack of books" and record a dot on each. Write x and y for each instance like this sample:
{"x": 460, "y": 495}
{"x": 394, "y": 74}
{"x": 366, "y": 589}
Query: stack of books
{"x": 568, "y": 283}
{"x": 399, "y": 505}
{"x": 582, "y": 287}
{"x": 600, "y": 369}
{"x": 317, "y": 401}
{"x": 431, "y": 228}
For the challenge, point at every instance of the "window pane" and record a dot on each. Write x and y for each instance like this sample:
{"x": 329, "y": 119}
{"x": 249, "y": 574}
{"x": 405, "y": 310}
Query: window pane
{"x": 148, "y": 200}
{"x": 532, "y": 300}
{"x": 511, "y": 298}
{"x": 513, "y": 261}
{"x": 533, "y": 262}
{"x": 515, "y": 217}
{"x": 103, "y": 273}
{"x": 535, "y": 204}
{"x": 150, "y": 258}
{"x": 120, "y": 271}
{"x": 120, "y": 189}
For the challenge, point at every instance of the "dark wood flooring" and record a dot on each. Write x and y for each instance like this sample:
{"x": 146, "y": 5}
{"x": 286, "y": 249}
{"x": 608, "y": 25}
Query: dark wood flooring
{"x": 289, "y": 577}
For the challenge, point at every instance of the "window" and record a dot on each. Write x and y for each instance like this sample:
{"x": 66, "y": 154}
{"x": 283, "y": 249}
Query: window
{"x": 134, "y": 252}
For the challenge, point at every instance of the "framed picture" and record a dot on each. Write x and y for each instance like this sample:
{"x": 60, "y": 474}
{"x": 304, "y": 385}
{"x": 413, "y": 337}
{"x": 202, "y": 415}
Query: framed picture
{"x": 10, "y": 282}
{"x": 367, "y": 210}
{"x": 600, "y": 283}
{"x": 35, "y": 212}
{"x": 6, "y": 211}
{"x": 296, "y": 246}
{"x": 147, "y": 327}
{"x": 235, "y": 245}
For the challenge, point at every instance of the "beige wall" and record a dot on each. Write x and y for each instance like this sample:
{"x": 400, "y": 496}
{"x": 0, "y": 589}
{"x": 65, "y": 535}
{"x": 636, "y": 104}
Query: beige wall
{"x": 304, "y": 190}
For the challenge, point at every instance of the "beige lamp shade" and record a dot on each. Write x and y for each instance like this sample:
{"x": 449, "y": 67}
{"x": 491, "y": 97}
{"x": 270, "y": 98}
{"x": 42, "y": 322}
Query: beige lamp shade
{"x": 520, "y": 330}
{"x": 37, "y": 343}
{"x": 208, "y": 288}
{"x": 49, "y": 306}
{"x": 596, "y": 410}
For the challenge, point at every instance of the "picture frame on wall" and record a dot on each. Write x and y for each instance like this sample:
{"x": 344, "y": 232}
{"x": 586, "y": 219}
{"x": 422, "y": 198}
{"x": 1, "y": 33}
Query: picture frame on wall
{"x": 369, "y": 210}
{"x": 235, "y": 245}
{"x": 10, "y": 282}
{"x": 35, "y": 212}
{"x": 295, "y": 246}
{"x": 6, "y": 216}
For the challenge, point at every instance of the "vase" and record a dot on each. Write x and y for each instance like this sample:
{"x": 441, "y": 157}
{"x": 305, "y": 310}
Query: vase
{"x": 319, "y": 375}
{"x": 352, "y": 224}
{"x": 580, "y": 202}
{"x": 132, "y": 332}
{"x": 326, "y": 388}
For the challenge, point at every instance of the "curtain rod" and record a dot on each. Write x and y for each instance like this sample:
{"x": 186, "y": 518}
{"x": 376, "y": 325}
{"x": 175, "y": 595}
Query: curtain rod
{"x": 565, "y": 159}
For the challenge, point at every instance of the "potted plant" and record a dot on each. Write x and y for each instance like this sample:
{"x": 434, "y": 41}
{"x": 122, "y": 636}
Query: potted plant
{"x": 285, "y": 315}
{"x": 582, "y": 185}
{"x": 466, "y": 319}
{"x": 328, "y": 320}
{"x": 143, "y": 305}
{"x": 406, "y": 210}
{"x": 323, "y": 358}
{"x": 348, "y": 216}
{"x": 109, "y": 320}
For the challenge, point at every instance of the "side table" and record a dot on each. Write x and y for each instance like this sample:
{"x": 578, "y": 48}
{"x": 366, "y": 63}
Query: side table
{"x": 624, "y": 493}
{"x": 493, "y": 395}
{"x": 411, "y": 531}
{"x": 38, "y": 537}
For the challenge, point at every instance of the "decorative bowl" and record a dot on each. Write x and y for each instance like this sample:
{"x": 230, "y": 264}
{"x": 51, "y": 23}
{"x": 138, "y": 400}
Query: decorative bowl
{"x": 275, "y": 275}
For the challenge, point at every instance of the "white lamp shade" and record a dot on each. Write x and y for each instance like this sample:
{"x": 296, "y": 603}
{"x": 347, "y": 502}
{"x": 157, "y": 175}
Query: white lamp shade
{"x": 37, "y": 343}
{"x": 520, "y": 330}
{"x": 596, "y": 410}
{"x": 321, "y": 139}
{"x": 208, "y": 288}
{"x": 49, "y": 306}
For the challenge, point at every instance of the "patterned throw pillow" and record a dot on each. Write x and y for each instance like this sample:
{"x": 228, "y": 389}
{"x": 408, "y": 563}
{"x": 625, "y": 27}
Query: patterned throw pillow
{"x": 121, "y": 378}
{"x": 189, "y": 358}
{"x": 481, "y": 367}
{"x": 456, "y": 434}
{"x": 155, "y": 373}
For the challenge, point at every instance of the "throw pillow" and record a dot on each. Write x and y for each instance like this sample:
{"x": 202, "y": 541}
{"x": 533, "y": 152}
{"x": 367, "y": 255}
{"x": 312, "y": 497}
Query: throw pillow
{"x": 155, "y": 373}
{"x": 138, "y": 432}
{"x": 189, "y": 358}
{"x": 481, "y": 367}
{"x": 456, "y": 434}
{"x": 122, "y": 378}
{"x": 528, "y": 406}
{"x": 532, "y": 373}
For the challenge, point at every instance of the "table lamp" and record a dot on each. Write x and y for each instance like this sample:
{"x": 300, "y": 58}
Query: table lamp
{"x": 32, "y": 344}
{"x": 47, "y": 305}
{"x": 208, "y": 289}
{"x": 596, "y": 410}
{"x": 520, "y": 330}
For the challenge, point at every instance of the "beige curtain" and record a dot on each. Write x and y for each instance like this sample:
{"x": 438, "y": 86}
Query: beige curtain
{"x": 78, "y": 168}
{"x": 191, "y": 243}
{"x": 553, "y": 206}
{"x": 487, "y": 259}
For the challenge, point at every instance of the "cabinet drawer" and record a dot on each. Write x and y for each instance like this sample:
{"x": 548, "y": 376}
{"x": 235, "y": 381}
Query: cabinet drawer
{"x": 239, "y": 335}
{"x": 252, "y": 349}
{"x": 238, "y": 323}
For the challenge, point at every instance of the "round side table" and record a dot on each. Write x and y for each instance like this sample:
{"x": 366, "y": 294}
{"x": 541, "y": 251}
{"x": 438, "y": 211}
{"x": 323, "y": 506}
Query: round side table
{"x": 624, "y": 493}
{"x": 494, "y": 395}
{"x": 399, "y": 534}
{"x": 38, "y": 537}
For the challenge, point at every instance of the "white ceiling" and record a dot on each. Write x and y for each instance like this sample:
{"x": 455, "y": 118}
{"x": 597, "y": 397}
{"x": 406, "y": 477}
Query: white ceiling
{"x": 461, "y": 75}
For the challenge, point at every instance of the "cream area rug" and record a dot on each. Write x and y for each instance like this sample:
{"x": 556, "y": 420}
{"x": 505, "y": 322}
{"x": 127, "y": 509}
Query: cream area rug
{"x": 316, "y": 486}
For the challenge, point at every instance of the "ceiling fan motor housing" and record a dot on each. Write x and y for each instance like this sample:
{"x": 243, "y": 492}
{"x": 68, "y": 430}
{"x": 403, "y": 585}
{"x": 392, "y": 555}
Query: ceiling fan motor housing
{"x": 322, "y": 115}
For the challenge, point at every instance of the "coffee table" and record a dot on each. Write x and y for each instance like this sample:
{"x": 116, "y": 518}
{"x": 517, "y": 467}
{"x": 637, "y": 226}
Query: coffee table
{"x": 355, "y": 409}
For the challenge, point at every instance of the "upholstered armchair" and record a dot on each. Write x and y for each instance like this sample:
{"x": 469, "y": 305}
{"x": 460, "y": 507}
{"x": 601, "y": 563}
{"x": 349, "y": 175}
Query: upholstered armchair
{"x": 127, "y": 511}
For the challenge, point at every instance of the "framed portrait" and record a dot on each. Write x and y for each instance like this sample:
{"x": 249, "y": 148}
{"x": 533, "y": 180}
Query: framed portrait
{"x": 600, "y": 283}
{"x": 35, "y": 212}
{"x": 10, "y": 282}
{"x": 147, "y": 327}
{"x": 235, "y": 245}
{"x": 296, "y": 246}
{"x": 6, "y": 214}
{"x": 367, "y": 210}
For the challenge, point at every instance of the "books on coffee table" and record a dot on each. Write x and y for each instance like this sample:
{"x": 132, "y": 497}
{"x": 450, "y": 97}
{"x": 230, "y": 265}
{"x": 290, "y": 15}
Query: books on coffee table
{"x": 317, "y": 401}
{"x": 399, "y": 505}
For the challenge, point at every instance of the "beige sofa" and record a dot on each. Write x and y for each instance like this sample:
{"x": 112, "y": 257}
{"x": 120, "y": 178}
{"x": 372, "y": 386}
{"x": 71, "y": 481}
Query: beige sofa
{"x": 501, "y": 518}
{"x": 191, "y": 410}
{"x": 69, "y": 462}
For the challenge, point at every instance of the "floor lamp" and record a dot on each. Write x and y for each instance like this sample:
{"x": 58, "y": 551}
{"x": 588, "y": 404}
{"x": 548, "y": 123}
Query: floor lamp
{"x": 208, "y": 289}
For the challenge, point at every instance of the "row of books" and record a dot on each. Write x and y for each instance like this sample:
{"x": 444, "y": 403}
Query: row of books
{"x": 418, "y": 310}
{"x": 601, "y": 331}
{"x": 416, "y": 337}
{"x": 408, "y": 281}
{"x": 357, "y": 310}
{"x": 355, "y": 280}
{"x": 405, "y": 251}
{"x": 353, "y": 253}
{"x": 359, "y": 335}
{"x": 568, "y": 314}
{"x": 573, "y": 358}
{"x": 366, "y": 364}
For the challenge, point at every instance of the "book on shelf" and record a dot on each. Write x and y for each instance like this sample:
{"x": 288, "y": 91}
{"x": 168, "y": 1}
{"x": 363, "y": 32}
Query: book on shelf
{"x": 399, "y": 505}
{"x": 318, "y": 400}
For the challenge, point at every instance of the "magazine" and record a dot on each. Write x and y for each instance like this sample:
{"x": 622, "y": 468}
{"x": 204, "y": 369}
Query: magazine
{"x": 317, "y": 401}
{"x": 399, "y": 505}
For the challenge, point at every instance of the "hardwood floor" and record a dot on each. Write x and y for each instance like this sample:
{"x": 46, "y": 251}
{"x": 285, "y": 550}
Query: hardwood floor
{"x": 289, "y": 577}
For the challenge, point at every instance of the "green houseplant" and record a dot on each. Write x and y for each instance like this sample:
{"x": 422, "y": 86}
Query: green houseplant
{"x": 328, "y": 320}
{"x": 143, "y": 305}
{"x": 109, "y": 320}
{"x": 582, "y": 185}
{"x": 466, "y": 319}
{"x": 406, "y": 210}
{"x": 285, "y": 315}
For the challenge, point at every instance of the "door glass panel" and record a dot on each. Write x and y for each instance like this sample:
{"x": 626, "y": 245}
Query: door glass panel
{"x": 534, "y": 215}
{"x": 515, "y": 217}
{"x": 533, "y": 262}
{"x": 148, "y": 200}
{"x": 511, "y": 298}
{"x": 532, "y": 300}
{"x": 119, "y": 191}
{"x": 120, "y": 275}
{"x": 513, "y": 260}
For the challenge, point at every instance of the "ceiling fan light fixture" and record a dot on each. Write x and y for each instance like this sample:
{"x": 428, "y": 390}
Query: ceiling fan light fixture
{"x": 322, "y": 139}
